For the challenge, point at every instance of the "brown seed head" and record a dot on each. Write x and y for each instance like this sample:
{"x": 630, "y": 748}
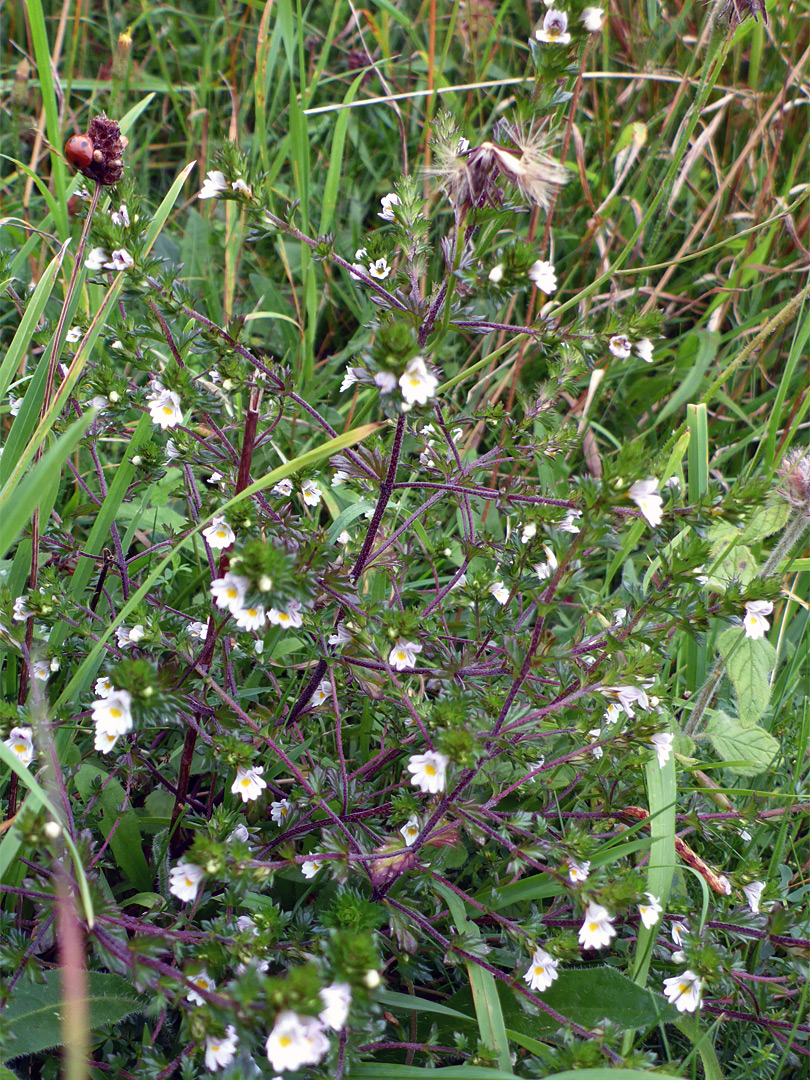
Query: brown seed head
{"x": 107, "y": 166}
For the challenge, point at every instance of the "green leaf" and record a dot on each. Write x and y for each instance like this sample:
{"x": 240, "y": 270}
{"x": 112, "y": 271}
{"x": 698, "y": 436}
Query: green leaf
{"x": 33, "y": 1013}
{"x": 738, "y": 565}
{"x": 744, "y": 750}
{"x": 587, "y": 996}
{"x": 384, "y": 1071}
{"x": 23, "y": 497}
{"x": 749, "y": 664}
{"x": 126, "y": 842}
{"x": 411, "y": 1003}
{"x": 768, "y": 521}
{"x": 484, "y": 988}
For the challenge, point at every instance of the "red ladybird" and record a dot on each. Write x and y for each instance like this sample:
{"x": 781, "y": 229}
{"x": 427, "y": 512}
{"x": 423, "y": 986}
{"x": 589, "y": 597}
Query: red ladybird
{"x": 79, "y": 151}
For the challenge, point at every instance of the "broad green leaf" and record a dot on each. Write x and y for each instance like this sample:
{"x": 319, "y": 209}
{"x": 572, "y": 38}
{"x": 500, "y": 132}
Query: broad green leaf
{"x": 414, "y": 1072}
{"x": 749, "y": 664}
{"x": 587, "y": 996}
{"x": 768, "y": 521}
{"x": 744, "y": 750}
{"x": 32, "y": 1015}
{"x": 738, "y": 565}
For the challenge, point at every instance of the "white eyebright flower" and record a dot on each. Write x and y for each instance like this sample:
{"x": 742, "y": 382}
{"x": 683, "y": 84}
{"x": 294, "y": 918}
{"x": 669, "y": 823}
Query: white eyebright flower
{"x": 496, "y": 274}
{"x": 165, "y": 409}
{"x": 567, "y": 523}
{"x": 336, "y": 998}
{"x": 112, "y": 714}
{"x": 753, "y": 894}
{"x": 279, "y": 810}
{"x": 542, "y": 971}
{"x": 644, "y": 493}
{"x": 241, "y": 187}
{"x": 20, "y": 743}
{"x": 204, "y": 981}
{"x": 644, "y": 349}
{"x": 41, "y": 670}
{"x": 19, "y": 611}
{"x": 295, "y": 1041}
{"x": 388, "y": 203}
{"x": 104, "y": 741}
{"x": 386, "y": 381}
{"x": 250, "y": 618}
{"x": 249, "y": 783}
{"x": 542, "y": 274}
{"x": 103, "y": 686}
{"x": 677, "y": 931}
{"x": 591, "y": 18}
{"x": 96, "y": 259}
{"x": 410, "y": 830}
{"x": 545, "y": 570}
{"x": 597, "y": 930}
{"x": 595, "y": 734}
{"x": 662, "y": 744}
{"x": 349, "y": 379}
{"x": 323, "y": 693}
{"x": 651, "y": 912}
{"x": 310, "y": 867}
{"x": 578, "y": 871}
{"x": 74, "y": 334}
{"x": 289, "y": 618}
{"x": 343, "y": 538}
{"x": 220, "y": 1049}
{"x": 403, "y": 655}
{"x": 620, "y": 346}
{"x": 184, "y": 880}
{"x": 310, "y": 492}
{"x": 229, "y": 592}
{"x": 340, "y": 636}
{"x": 629, "y": 696}
{"x": 755, "y": 623}
{"x": 555, "y": 28}
{"x": 428, "y": 771}
{"x": 196, "y": 630}
{"x": 417, "y": 383}
{"x": 283, "y": 487}
{"x": 379, "y": 269}
{"x": 120, "y": 216}
{"x": 528, "y": 532}
{"x": 127, "y": 638}
{"x": 219, "y": 534}
{"x": 120, "y": 260}
{"x": 213, "y": 185}
{"x": 499, "y": 591}
{"x": 684, "y": 991}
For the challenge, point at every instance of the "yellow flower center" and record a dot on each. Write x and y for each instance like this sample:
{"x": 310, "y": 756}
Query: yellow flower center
{"x": 115, "y": 713}
{"x": 285, "y": 1041}
{"x": 430, "y": 770}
